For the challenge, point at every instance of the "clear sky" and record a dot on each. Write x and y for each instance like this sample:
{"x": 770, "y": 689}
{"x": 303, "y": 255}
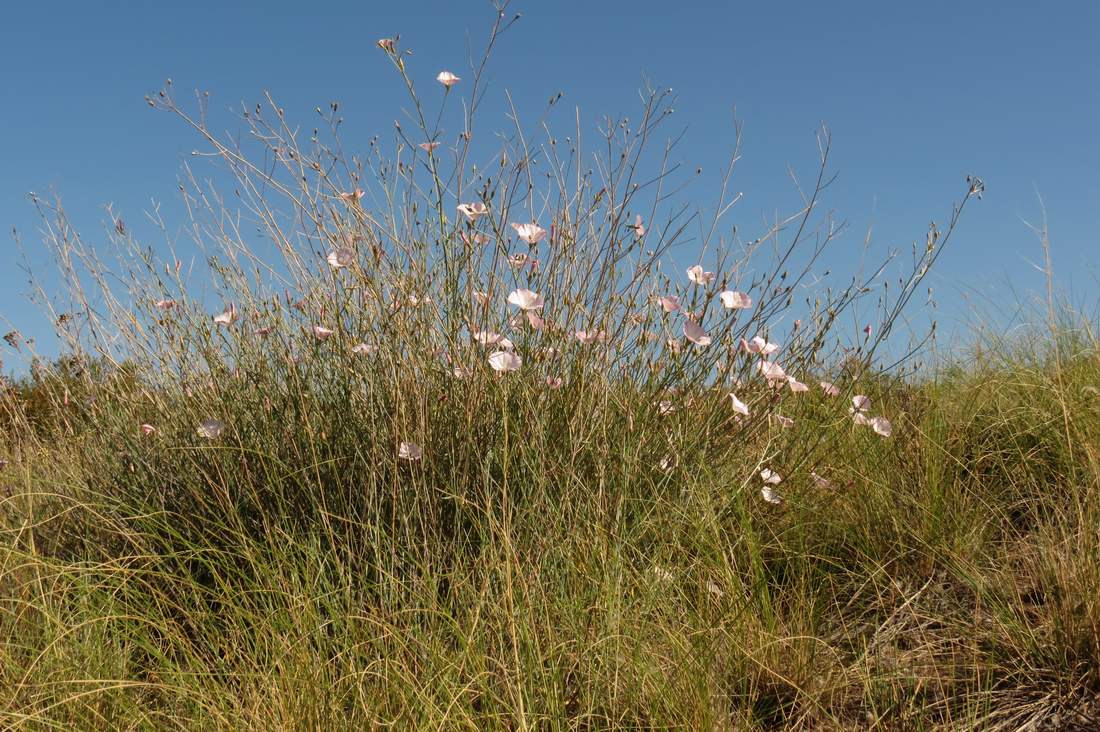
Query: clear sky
{"x": 917, "y": 96}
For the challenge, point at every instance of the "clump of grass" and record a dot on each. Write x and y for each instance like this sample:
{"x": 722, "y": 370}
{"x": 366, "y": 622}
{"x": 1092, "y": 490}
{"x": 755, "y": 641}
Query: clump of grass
{"x": 392, "y": 471}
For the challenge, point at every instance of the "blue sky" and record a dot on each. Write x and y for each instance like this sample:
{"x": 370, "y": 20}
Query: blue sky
{"x": 917, "y": 96}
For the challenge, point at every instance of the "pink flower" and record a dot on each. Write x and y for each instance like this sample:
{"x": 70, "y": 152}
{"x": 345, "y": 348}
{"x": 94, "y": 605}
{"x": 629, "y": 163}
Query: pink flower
{"x": 353, "y": 196}
{"x": 226, "y": 318}
{"x": 861, "y": 419}
{"x": 772, "y": 371}
{"x": 554, "y": 382}
{"x": 591, "y": 336}
{"x": 670, "y": 303}
{"x": 861, "y": 403}
{"x": 759, "y": 345}
{"x": 639, "y": 229}
{"x": 829, "y": 389}
{"x": 770, "y": 477}
{"x": 525, "y": 299}
{"x": 665, "y": 406}
{"x": 535, "y": 321}
{"x": 164, "y": 304}
{"x": 476, "y": 238}
{"x": 518, "y": 261}
{"x": 530, "y": 233}
{"x": 695, "y": 333}
{"x": 321, "y": 332}
{"x": 264, "y": 330}
{"x": 868, "y": 330}
{"x": 822, "y": 483}
{"x": 732, "y": 299}
{"x": 504, "y": 361}
{"x": 461, "y": 372}
{"x": 342, "y": 257}
{"x": 447, "y": 79}
{"x": 148, "y": 429}
{"x": 796, "y": 385}
{"x": 785, "y": 422}
{"x": 386, "y": 44}
{"x": 429, "y": 146}
{"x": 473, "y": 211}
{"x": 409, "y": 451}
{"x": 489, "y": 338}
{"x": 363, "y": 349}
{"x": 700, "y": 277}
{"x": 882, "y": 426}
{"x": 739, "y": 406}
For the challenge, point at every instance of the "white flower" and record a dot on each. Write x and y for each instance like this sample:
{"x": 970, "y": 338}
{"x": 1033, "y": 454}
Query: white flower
{"x": 409, "y": 451}
{"x": 211, "y": 429}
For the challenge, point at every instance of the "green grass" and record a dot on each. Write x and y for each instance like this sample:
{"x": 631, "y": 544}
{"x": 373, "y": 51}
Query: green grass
{"x": 549, "y": 575}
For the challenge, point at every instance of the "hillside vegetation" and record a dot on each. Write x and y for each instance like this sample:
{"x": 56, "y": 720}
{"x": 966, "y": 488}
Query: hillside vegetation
{"x": 395, "y": 441}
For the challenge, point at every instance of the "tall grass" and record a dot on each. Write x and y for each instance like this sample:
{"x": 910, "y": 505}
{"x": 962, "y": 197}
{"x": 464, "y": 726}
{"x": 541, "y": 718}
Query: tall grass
{"x": 321, "y": 497}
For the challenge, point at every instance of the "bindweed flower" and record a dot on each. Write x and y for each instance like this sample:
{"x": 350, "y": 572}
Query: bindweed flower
{"x": 785, "y": 422}
{"x": 772, "y": 371}
{"x": 639, "y": 229}
{"x": 342, "y": 257}
{"x": 882, "y": 426}
{"x": 739, "y": 406}
{"x": 505, "y": 361}
{"x": 520, "y": 260}
{"x": 695, "y": 333}
{"x": 488, "y": 338}
{"x": 320, "y": 332}
{"x": 525, "y": 299}
{"x": 860, "y": 403}
{"x": 476, "y": 238}
{"x": 429, "y": 146}
{"x": 210, "y": 429}
{"x": 535, "y": 321}
{"x": 868, "y": 330}
{"x": 820, "y": 482}
{"x": 768, "y": 494}
{"x": 829, "y": 389}
{"x": 447, "y": 79}
{"x": 226, "y": 318}
{"x": 473, "y": 211}
{"x": 796, "y": 386}
{"x": 164, "y": 304}
{"x": 554, "y": 382}
{"x": 530, "y": 233}
{"x": 759, "y": 345}
{"x": 386, "y": 44}
{"x": 700, "y": 277}
{"x": 266, "y": 330}
{"x": 363, "y": 349}
{"x": 352, "y": 196}
{"x": 861, "y": 419}
{"x": 732, "y": 300}
{"x": 670, "y": 303}
{"x": 591, "y": 336}
{"x": 461, "y": 372}
{"x": 147, "y": 429}
{"x": 409, "y": 451}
